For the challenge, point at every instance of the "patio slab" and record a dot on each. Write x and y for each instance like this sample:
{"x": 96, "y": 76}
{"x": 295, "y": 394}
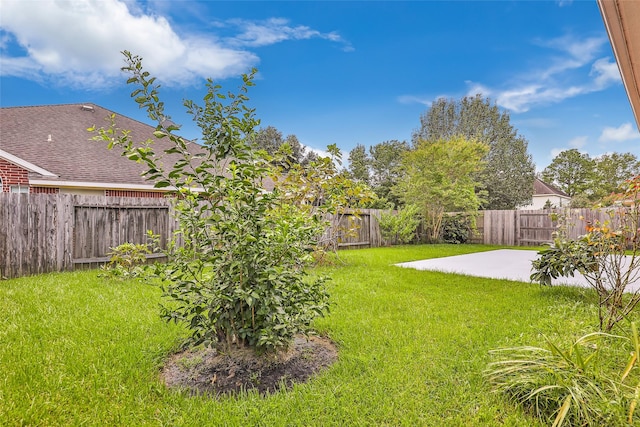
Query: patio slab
{"x": 509, "y": 264}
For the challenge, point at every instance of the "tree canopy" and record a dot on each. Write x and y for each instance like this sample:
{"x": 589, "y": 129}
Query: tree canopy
{"x": 359, "y": 163}
{"x": 508, "y": 176}
{"x": 271, "y": 140}
{"x": 381, "y": 168}
{"x": 439, "y": 176}
{"x": 588, "y": 180}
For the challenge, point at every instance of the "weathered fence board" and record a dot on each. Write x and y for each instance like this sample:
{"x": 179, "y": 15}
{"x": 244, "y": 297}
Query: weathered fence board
{"x": 41, "y": 233}
{"x": 531, "y": 228}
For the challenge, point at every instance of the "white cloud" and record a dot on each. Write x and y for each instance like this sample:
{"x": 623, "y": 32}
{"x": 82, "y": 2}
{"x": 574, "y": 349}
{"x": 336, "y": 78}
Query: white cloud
{"x": 412, "y": 99}
{"x": 275, "y": 30}
{"x": 625, "y": 132}
{"x": 564, "y": 75}
{"x": 605, "y": 72}
{"x": 578, "y": 142}
{"x": 476, "y": 88}
{"x": 79, "y": 43}
{"x": 563, "y": 3}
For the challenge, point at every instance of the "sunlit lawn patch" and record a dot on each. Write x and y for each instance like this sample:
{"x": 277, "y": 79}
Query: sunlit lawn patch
{"x": 77, "y": 349}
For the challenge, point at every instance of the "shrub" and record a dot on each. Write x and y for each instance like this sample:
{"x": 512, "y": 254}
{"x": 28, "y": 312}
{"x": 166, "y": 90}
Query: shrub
{"x": 608, "y": 256}
{"x": 126, "y": 260}
{"x": 456, "y": 228}
{"x": 238, "y": 277}
{"x": 400, "y": 227}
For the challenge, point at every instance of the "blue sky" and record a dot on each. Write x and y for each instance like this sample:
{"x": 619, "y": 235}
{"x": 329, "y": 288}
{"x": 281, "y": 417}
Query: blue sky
{"x": 333, "y": 72}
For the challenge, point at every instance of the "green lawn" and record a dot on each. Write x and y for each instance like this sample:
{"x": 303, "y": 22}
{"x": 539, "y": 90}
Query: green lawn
{"x": 76, "y": 349}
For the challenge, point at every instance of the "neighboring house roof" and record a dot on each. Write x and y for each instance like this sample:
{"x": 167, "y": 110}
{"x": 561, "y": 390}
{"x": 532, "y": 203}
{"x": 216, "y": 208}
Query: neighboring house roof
{"x": 541, "y": 188}
{"x": 53, "y": 144}
{"x": 622, "y": 21}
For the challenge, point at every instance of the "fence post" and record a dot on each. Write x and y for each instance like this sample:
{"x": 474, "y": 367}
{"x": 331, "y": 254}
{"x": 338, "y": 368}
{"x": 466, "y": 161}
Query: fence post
{"x": 517, "y": 226}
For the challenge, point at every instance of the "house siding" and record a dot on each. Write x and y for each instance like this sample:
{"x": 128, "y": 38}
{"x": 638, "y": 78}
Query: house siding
{"x": 12, "y": 174}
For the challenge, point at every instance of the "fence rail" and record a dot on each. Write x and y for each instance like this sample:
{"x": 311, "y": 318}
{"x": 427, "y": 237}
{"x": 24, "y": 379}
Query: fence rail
{"x": 41, "y": 233}
{"x": 530, "y": 228}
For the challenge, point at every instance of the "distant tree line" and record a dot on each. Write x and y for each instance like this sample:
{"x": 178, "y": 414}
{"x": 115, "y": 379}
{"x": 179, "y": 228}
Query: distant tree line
{"x": 588, "y": 180}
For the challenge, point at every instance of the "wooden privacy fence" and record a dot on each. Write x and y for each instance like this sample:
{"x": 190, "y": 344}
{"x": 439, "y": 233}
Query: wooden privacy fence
{"x": 40, "y": 233}
{"x": 366, "y": 225}
{"x": 530, "y": 228}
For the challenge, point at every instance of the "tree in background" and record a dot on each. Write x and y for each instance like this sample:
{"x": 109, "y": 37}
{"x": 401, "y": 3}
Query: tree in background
{"x": 359, "y": 164}
{"x": 611, "y": 170}
{"x": 386, "y": 159}
{"x": 320, "y": 189}
{"x": 571, "y": 171}
{"x": 508, "y": 176}
{"x": 439, "y": 176}
{"x": 270, "y": 140}
{"x": 590, "y": 180}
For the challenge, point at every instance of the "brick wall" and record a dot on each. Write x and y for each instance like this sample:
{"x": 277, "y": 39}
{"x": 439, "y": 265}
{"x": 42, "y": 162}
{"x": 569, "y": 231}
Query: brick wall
{"x": 12, "y": 175}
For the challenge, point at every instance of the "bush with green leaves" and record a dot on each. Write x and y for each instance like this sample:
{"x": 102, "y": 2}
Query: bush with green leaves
{"x": 126, "y": 260}
{"x": 320, "y": 189}
{"x": 571, "y": 386}
{"x": 608, "y": 256}
{"x": 457, "y": 228}
{"x": 400, "y": 227}
{"x": 238, "y": 275}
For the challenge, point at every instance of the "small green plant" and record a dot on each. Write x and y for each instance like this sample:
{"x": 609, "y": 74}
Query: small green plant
{"x": 126, "y": 261}
{"x": 400, "y": 227}
{"x": 569, "y": 386}
{"x": 457, "y": 228}
{"x": 238, "y": 276}
{"x": 608, "y": 256}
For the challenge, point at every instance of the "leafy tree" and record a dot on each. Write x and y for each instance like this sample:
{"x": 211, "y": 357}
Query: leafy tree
{"x": 611, "y": 170}
{"x": 571, "y": 171}
{"x": 320, "y": 189}
{"x": 270, "y": 139}
{"x": 439, "y": 177}
{"x": 386, "y": 158}
{"x": 359, "y": 163}
{"x": 508, "y": 177}
{"x": 239, "y": 276}
{"x": 400, "y": 227}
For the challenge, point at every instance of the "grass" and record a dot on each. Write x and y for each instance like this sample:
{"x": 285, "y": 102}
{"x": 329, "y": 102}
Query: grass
{"x": 79, "y": 350}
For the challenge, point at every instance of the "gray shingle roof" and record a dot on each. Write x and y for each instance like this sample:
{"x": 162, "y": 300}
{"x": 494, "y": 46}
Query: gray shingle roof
{"x": 71, "y": 154}
{"x": 542, "y": 188}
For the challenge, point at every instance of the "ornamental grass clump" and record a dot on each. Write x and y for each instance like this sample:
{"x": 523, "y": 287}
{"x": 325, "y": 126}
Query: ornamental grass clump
{"x": 236, "y": 274}
{"x": 571, "y": 387}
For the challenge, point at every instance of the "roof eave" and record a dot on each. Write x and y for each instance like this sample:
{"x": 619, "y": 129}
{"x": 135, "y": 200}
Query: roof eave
{"x": 623, "y": 27}
{"x": 25, "y": 164}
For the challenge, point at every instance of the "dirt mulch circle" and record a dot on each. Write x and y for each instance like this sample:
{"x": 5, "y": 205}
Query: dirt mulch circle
{"x": 205, "y": 371}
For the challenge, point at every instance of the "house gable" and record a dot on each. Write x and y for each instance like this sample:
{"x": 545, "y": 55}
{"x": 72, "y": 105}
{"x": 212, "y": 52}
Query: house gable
{"x": 49, "y": 148}
{"x": 12, "y": 175}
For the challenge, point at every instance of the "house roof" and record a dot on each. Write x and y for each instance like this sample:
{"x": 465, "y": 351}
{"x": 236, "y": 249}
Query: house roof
{"x": 52, "y": 142}
{"x": 541, "y": 188}
{"x": 622, "y": 21}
